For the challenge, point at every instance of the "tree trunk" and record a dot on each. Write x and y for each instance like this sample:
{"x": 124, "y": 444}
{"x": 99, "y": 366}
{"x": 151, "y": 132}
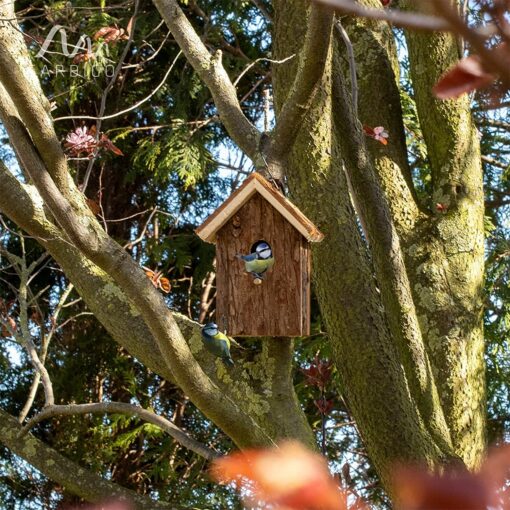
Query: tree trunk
{"x": 441, "y": 251}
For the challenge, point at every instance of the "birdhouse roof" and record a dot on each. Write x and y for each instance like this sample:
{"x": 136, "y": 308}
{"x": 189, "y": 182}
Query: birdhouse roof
{"x": 255, "y": 183}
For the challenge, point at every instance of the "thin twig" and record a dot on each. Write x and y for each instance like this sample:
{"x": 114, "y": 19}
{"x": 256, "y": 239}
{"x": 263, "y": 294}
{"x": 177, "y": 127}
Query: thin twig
{"x": 140, "y": 238}
{"x": 127, "y": 409}
{"x": 107, "y": 90}
{"x": 396, "y": 17}
{"x": 46, "y": 339}
{"x": 255, "y": 62}
{"x": 352, "y": 65}
{"x": 133, "y": 107}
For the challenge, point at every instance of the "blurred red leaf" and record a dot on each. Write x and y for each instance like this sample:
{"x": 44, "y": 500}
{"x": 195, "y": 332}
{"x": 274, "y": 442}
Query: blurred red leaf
{"x": 289, "y": 477}
{"x": 417, "y": 489}
{"x": 386, "y": 3}
{"x": 442, "y": 208}
{"x": 470, "y": 74}
{"x": 467, "y": 75}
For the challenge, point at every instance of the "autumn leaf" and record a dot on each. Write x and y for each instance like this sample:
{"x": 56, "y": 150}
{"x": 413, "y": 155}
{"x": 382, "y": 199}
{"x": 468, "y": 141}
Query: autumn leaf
{"x": 469, "y": 74}
{"x": 93, "y": 206}
{"x": 9, "y": 327}
{"x": 289, "y": 477}
{"x": 324, "y": 405}
{"x": 318, "y": 373}
{"x": 457, "y": 489}
{"x": 83, "y": 57}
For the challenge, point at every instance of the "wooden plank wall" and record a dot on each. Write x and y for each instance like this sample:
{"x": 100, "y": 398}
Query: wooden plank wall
{"x": 280, "y": 305}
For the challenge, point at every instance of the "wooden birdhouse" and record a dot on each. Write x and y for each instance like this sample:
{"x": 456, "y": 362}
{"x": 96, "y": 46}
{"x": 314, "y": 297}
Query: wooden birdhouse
{"x": 277, "y": 303}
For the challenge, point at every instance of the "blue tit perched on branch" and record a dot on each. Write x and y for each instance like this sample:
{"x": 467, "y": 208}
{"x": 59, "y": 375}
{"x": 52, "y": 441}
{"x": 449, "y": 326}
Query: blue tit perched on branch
{"x": 258, "y": 262}
{"x": 217, "y": 343}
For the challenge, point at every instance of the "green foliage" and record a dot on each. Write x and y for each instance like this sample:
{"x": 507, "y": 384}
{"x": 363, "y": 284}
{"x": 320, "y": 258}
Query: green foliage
{"x": 178, "y": 153}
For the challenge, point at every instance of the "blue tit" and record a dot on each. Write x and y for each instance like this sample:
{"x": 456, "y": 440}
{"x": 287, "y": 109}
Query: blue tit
{"x": 258, "y": 262}
{"x": 217, "y": 343}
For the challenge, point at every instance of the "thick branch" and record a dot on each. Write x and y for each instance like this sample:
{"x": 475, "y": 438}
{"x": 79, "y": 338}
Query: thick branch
{"x": 379, "y": 105}
{"x": 130, "y": 410}
{"x": 448, "y": 250}
{"x": 109, "y": 304}
{"x": 18, "y": 77}
{"x": 389, "y": 266}
{"x": 212, "y": 72}
{"x": 61, "y": 470}
{"x": 310, "y": 70}
{"x": 88, "y": 236}
{"x": 220, "y": 405}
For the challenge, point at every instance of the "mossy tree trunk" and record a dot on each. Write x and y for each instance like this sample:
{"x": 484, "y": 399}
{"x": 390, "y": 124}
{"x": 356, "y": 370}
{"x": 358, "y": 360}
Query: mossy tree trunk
{"x": 443, "y": 251}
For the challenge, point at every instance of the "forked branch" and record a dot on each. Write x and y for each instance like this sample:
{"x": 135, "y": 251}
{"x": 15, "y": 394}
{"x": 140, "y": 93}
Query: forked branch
{"x": 389, "y": 265}
{"x": 211, "y": 71}
{"x": 311, "y": 67}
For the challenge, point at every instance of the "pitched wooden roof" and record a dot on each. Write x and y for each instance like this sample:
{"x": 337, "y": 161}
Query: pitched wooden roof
{"x": 255, "y": 183}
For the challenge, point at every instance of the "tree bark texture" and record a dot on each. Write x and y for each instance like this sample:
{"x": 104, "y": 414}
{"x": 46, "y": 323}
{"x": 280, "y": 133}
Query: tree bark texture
{"x": 440, "y": 251}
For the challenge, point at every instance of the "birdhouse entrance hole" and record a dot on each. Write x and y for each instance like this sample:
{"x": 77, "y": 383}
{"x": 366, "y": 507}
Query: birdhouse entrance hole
{"x": 263, "y": 261}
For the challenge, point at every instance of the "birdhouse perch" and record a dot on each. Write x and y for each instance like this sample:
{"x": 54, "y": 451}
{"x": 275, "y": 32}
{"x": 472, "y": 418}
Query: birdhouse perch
{"x": 277, "y": 302}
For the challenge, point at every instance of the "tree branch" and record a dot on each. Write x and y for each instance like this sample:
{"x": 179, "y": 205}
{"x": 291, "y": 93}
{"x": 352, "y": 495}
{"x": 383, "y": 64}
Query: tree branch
{"x": 308, "y": 77}
{"x": 87, "y": 234}
{"x": 128, "y": 409}
{"x": 389, "y": 266}
{"x": 70, "y": 475}
{"x": 212, "y": 72}
{"x": 397, "y": 18}
{"x": 45, "y": 342}
{"x": 22, "y": 85}
{"x": 259, "y": 5}
{"x": 24, "y": 338}
{"x": 84, "y": 231}
{"x": 379, "y": 105}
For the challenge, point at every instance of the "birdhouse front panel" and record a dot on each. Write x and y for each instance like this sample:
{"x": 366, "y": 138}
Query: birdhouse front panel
{"x": 280, "y": 304}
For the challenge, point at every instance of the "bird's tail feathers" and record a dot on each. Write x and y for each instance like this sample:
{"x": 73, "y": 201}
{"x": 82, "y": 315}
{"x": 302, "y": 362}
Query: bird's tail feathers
{"x": 229, "y": 362}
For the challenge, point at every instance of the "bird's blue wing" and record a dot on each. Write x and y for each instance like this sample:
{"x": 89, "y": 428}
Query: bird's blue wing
{"x": 249, "y": 258}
